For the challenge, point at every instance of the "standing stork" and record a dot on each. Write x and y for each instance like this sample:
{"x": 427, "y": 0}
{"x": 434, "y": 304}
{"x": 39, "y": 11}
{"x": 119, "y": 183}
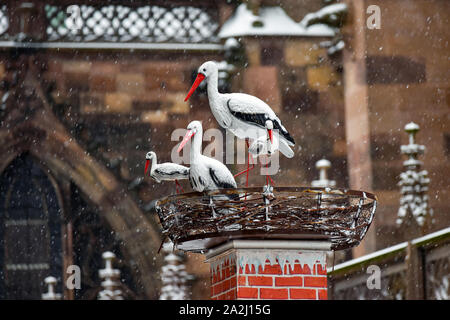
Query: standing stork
{"x": 243, "y": 115}
{"x": 205, "y": 173}
{"x": 167, "y": 171}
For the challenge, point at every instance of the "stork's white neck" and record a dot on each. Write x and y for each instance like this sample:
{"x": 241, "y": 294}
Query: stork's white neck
{"x": 196, "y": 148}
{"x": 213, "y": 85}
{"x": 216, "y": 101}
{"x": 154, "y": 163}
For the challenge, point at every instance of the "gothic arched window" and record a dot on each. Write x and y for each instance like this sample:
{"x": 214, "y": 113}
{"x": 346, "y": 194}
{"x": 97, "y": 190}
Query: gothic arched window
{"x": 30, "y": 231}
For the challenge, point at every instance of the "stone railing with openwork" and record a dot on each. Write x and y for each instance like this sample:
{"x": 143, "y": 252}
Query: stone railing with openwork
{"x": 109, "y": 24}
{"x": 123, "y": 23}
{"x": 419, "y": 269}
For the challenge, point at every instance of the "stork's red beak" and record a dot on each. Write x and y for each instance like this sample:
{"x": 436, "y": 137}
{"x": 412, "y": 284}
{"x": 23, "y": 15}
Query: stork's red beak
{"x": 270, "y": 135}
{"x": 147, "y": 162}
{"x": 187, "y": 137}
{"x": 198, "y": 80}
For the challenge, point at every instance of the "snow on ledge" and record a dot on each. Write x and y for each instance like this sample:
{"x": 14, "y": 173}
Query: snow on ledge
{"x": 255, "y": 253}
{"x": 254, "y": 259}
{"x": 331, "y": 10}
{"x": 272, "y": 21}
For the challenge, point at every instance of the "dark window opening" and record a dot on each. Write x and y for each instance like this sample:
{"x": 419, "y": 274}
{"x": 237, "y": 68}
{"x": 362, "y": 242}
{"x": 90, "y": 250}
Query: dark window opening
{"x": 271, "y": 55}
{"x": 30, "y": 231}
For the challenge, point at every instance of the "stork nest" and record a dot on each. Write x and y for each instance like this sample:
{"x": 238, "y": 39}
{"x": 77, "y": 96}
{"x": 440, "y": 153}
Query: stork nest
{"x": 197, "y": 221}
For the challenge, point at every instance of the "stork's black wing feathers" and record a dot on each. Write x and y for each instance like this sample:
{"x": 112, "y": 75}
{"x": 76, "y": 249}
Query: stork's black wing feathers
{"x": 217, "y": 182}
{"x": 172, "y": 173}
{"x": 260, "y": 120}
{"x": 223, "y": 185}
{"x": 284, "y": 132}
{"x": 201, "y": 181}
{"x": 192, "y": 182}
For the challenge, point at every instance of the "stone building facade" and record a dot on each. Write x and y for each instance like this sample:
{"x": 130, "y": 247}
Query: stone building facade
{"x": 82, "y": 112}
{"x": 395, "y": 75}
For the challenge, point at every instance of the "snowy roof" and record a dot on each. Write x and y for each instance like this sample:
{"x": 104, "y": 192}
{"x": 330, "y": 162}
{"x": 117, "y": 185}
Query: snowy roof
{"x": 273, "y": 22}
{"x": 331, "y": 11}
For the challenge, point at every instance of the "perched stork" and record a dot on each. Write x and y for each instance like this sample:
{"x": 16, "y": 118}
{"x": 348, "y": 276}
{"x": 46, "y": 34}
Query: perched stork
{"x": 167, "y": 171}
{"x": 205, "y": 173}
{"x": 242, "y": 114}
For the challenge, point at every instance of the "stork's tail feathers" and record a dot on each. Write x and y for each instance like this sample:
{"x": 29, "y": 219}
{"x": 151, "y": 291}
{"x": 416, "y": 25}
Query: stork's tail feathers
{"x": 285, "y": 149}
{"x": 234, "y": 197}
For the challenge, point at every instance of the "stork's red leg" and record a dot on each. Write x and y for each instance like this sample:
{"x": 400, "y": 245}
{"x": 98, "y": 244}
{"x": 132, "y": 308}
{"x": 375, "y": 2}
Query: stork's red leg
{"x": 178, "y": 186}
{"x": 268, "y": 177}
{"x": 246, "y": 170}
{"x": 248, "y": 166}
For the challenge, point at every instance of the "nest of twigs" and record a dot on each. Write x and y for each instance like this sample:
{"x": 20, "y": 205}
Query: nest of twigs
{"x": 197, "y": 221}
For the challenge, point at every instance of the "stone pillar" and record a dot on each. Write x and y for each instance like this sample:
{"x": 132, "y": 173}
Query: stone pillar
{"x": 357, "y": 126}
{"x": 269, "y": 269}
{"x": 27, "y": 20}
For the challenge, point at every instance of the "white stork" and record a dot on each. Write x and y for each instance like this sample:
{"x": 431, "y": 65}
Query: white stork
{"x": 167, "y": 171}
{"x": 205, "y": 173}
{"x": 242, "y": 114}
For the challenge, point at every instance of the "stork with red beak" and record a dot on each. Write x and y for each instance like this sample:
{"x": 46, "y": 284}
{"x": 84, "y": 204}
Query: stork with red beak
{"x": 242, "y": 114}
{"x": 167, "y": 171}
{"x": 205, "y": 173}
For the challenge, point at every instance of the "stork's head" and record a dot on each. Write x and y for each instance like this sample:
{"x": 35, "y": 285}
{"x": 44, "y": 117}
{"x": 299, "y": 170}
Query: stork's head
{"x": 149, "y": 156}
{"x": 204, "y": 71}
{"x": 193, "y": 128}
{"x": 208, "y": 68}
{"x": 269, "y": 127}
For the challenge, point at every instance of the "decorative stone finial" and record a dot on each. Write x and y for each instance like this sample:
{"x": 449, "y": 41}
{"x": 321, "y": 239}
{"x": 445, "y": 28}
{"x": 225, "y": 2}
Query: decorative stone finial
{"x": 413, "y": 181}
{"x": 174, "y": 276}
{"x": 323, "y": 165}
{"x": 51, "y": 295}
{"x": 111, "y": 279}
{"x": 412, "y": 150}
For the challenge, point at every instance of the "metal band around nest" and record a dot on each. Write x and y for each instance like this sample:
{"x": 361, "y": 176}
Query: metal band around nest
{"x": 198, "y": 221}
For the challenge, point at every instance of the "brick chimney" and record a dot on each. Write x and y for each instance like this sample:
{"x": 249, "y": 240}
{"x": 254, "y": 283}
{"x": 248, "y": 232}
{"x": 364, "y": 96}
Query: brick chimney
{"x": 269, "y": 269}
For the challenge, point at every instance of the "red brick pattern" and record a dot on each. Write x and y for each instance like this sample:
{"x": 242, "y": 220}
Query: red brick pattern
{"x": 224, "y": 282}
{"x": 294, "y": 281}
